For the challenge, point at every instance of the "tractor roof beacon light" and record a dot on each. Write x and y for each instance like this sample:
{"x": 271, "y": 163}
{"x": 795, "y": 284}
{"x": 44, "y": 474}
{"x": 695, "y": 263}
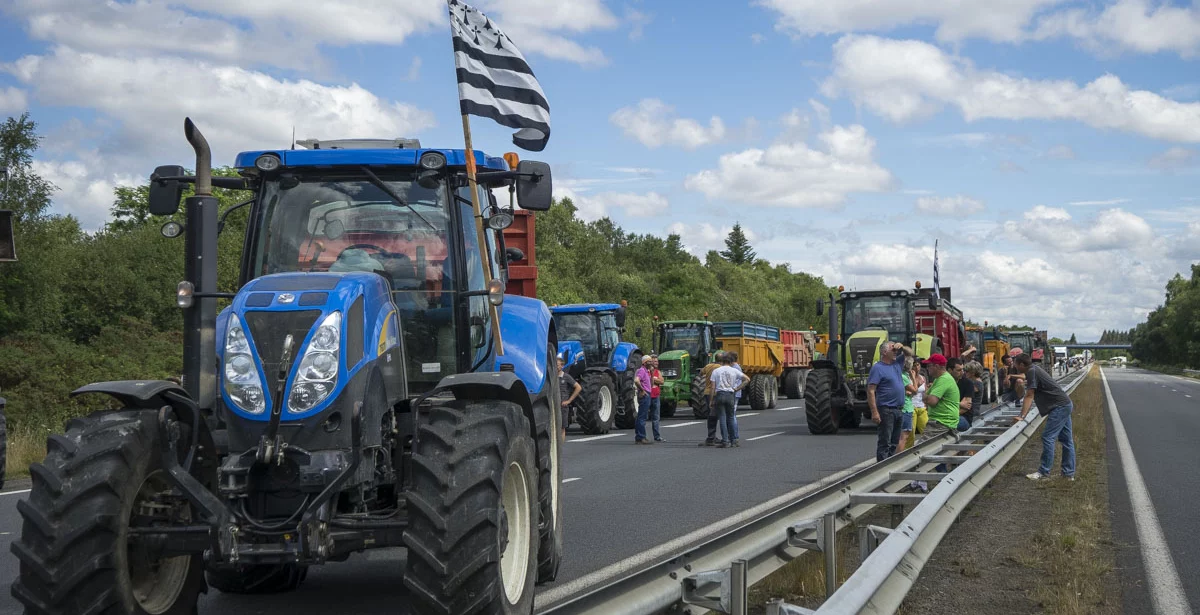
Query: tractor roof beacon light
{"x": 268, "y": 163}
{"x": 512, "y": 159}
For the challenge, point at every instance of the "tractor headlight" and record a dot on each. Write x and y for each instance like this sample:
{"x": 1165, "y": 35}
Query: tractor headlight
{"x": 242, "y": 381}
{"x": 317, "y": 375}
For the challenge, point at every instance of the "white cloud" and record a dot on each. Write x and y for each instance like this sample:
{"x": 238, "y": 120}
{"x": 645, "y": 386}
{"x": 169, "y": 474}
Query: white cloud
{"x": 1104, "y": 202}
{"x": 907, "y": 79}
{"x": 757, "y": 38}
{"x": 653, "y": 123}
{"x": 1028, "y": 273}
{"x": 889, "y": 260}
{"x": 796, "y": 175}
{"x": 637, "y": 21}
{"x": 12, "y": 100}
{"x": 959, "y": 205}
{"x": 1174, "y": 158}
{"x": 698, "y": 239}
{"x": 1112, "y": 229}
{"x": 1133, "y": 25}
{"x": 1061, "y": 152}
{"x": 955, "y": 20}
{"x": 81, "y": 192}
{"x": 634, "y": 205}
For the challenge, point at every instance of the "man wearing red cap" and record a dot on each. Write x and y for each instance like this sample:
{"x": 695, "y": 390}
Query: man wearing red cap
{"x": 941, "y": 399}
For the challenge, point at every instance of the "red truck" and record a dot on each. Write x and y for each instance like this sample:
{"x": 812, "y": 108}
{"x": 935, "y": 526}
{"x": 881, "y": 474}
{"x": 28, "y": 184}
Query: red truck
{"x": 798, "y": 350}
{"x": 944, "y": 322}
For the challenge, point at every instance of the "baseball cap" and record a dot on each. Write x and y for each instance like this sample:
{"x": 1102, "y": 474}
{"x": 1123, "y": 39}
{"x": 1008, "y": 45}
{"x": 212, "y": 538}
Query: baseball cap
{"x": 934, "y": 359}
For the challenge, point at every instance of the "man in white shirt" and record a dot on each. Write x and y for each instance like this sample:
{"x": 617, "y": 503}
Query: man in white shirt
{"x": 727, "y": 382}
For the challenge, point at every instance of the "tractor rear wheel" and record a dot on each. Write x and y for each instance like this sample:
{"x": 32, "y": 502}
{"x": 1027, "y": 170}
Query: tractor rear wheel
{"x": 793, "y": 384}
{"x": 76, "y": 551}
{"x": 549, "y": 444}
{"x": 628, "y": 408}
{"x": 698, "y": 400}
{"x": 256, "y": 579}
{"x": 818, "y": 401}
{"x": 667, "y": 408}
{"x": 473, "y": 535}
{"x": 759, "y": 392}
{"x": 599, "y": 403}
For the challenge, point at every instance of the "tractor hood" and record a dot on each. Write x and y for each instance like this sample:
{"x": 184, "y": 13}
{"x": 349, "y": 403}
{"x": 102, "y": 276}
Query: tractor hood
{"x": 674, "y": 364}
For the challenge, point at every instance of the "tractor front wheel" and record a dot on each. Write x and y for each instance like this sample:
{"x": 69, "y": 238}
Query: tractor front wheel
{"x": 550, "y": 527}
{"x": 667, "y": 408}
{"x": 77, "y": 552}
{"x": 599, "y": 403}
{"x": 473, "y": 536}
{"x": 818, "y": 401}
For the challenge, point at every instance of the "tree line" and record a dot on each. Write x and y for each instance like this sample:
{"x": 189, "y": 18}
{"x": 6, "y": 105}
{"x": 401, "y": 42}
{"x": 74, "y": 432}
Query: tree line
{"x": 1170, "y": 336}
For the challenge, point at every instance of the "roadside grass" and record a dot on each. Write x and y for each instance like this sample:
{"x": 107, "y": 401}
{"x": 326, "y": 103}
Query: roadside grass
{"x": 802, "y": 581}
{"x": 1073, "y": 550}
{"x": 1170, "y": 370}
{"x": 25, "y": 446}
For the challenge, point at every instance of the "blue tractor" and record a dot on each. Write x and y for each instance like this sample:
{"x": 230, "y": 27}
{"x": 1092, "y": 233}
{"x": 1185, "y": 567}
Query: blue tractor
{"x": 589, "y": 340}
{"x": 368, "y": 386}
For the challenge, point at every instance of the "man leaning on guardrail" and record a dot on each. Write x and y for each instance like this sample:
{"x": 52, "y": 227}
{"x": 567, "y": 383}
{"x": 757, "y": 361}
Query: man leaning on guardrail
{"x": 1056, "y": 406}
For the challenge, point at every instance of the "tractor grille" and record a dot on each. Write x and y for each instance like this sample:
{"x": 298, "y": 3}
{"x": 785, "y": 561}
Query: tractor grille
{"x": 670, "y": 368}
{"x": 268, "y": 330}
{"x": 862, "y": 354}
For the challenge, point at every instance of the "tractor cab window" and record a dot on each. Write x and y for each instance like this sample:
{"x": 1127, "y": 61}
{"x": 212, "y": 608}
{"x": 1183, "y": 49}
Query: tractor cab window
{"x": 689, "y": 339}
{"x": 891, "y": 314}
{"x": 610, "y": 335}
{"x": 341, "y": 223}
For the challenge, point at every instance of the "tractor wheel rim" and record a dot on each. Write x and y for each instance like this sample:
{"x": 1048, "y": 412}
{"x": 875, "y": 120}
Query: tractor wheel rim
{"x": 157, "y": 584}
{"x": 514, "y": 552}
{"x": 555, "y": 431}
{"x": 606, "y": 404}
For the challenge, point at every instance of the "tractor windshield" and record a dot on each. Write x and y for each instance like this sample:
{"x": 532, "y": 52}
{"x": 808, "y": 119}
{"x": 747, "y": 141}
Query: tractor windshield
{"x": 690, "y": 339}
{"x": 580, "y": 327}
{"x": 891, "y": 314}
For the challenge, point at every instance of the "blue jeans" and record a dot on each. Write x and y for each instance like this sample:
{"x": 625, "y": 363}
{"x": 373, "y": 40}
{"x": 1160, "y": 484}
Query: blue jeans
{"x": 655, "y": 414}
{"x": 1058, "y": 428}
{"x": 725, "y": 406}
{"x": 639, "y": 426}
{"x": 890, "y": 420}
{"x": 963, "y": 423}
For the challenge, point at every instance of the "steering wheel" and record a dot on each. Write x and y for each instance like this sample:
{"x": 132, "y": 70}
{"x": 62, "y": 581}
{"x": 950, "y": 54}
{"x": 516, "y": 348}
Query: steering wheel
{"x": 366, "y": 246}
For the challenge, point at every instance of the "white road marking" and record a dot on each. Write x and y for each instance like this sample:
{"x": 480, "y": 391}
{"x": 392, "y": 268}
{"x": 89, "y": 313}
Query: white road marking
{"x": 1186, "y": 395}
{"x": 748, "y": 415}
{"x": 1166, "y": 591}
{"x": 682, "y": 424}
{"x": 590, "y": 438}
{"x": 570, "y": 480}
{"x": 15, "y": 492}
{"x": 766, "y": 436}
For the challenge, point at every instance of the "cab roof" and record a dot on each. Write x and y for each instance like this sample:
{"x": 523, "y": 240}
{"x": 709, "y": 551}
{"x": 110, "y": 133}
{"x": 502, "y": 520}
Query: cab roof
{"x": 583, "y": 308}
{"x": 371, "y": 156}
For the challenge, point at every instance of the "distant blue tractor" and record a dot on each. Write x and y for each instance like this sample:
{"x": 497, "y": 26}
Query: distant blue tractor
{"x": 589, "y": 340}
{"x": 350, "y": 397}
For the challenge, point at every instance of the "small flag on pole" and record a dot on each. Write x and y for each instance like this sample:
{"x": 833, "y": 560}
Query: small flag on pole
{"x": 494, "y": 81}
{"x": 937, "y": 286}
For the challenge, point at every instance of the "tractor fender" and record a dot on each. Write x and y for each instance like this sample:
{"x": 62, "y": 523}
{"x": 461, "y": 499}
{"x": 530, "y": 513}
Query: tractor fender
{"x": 525, "y": 328}
{"x": 482, "y": 386}
{"x": 620, "y": 356}
{"x": 153, "y": 395}
{"x": 571, "y": 352}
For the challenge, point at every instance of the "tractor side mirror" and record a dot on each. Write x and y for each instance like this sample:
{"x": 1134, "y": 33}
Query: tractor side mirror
{"x": 533, "y": 185}
{"x": 8, "y": 246}
{"x": 820, "y": 307}
{"x": 514, "y": 255}
{"x": 165, "y": 193}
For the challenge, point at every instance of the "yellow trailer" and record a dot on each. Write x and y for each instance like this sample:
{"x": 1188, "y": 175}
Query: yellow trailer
{"x": 760, "y": 355}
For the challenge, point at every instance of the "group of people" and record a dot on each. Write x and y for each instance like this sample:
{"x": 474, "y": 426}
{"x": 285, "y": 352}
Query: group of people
{"x": 906, "y": 401}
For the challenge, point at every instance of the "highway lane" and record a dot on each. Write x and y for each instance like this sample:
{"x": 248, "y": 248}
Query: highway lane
{"x": 1161, "y": 416}
{"x": 619, "y": 499}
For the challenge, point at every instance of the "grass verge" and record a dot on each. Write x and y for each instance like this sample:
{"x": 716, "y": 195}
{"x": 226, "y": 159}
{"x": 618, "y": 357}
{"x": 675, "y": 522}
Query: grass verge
{"x": 25, "y": 446}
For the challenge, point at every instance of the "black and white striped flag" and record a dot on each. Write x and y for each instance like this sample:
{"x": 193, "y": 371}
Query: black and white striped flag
{"x": 494, "y": 81}
{"x": 937, "y": 285}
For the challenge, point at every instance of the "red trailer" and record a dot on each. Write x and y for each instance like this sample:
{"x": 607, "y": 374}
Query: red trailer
{"x": 522, "y": 273}
{"x": 798, "y": 350}
{"x": 944, "y": 323}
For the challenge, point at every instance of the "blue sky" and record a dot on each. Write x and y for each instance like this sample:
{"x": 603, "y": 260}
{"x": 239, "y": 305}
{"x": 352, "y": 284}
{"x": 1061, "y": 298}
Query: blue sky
{"x": 1049, "y": 145}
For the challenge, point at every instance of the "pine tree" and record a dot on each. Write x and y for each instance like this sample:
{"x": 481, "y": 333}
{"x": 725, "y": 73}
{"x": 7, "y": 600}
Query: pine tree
{"x": 1072, "y": 340}
{"x": 738, "y": 249}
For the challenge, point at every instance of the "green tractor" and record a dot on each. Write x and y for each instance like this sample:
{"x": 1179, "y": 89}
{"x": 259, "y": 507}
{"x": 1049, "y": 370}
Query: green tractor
{"x": 684, "y": 347}
{"x": 835, "y": 393}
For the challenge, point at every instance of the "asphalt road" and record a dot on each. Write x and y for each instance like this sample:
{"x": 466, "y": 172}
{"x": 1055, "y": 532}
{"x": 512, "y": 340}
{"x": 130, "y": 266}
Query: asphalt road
{"x": 1161, "y": 416}
{"x": 619, "y": 499}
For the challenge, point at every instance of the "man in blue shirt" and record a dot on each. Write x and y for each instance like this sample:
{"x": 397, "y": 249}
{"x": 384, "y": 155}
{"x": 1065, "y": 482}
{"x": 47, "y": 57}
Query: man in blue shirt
{"x": 885, "y": 396}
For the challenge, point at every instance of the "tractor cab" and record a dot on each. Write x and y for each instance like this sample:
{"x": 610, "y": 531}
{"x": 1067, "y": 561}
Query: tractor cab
{"x": 684, "y": 346}
{"x": 869, "y": 318}
{"x": 591, "y": 329}
{"x": 589, "y": 341}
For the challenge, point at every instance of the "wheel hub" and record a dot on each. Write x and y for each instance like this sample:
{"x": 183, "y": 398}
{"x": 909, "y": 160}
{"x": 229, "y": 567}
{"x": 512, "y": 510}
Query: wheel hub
{"x": 156, "y": 583}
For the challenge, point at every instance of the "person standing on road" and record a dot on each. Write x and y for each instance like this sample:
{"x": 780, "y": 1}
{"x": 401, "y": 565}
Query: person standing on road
{"x": 941, "y": 399}
{"x": 656, "y": 382}
{"x": 966, "y": 392}
{"x": 568, "y": 391}
{"x": 885, "y": 397}
{"x": 1056, "y": 406}
{"x": 642, "y": 377}
{"x": 706, "y": 377}
{"x": 911, "y": 388}
{"x": 727, "y": 381}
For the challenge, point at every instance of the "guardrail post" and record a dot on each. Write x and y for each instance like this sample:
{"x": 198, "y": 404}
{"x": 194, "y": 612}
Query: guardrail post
{"x": 869, "y": 538}
{"x": 739, "y": 588}
{"x": 829, "y": 524}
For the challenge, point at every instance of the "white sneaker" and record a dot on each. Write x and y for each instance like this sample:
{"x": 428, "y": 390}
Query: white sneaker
{"x": 1036, "y": 476}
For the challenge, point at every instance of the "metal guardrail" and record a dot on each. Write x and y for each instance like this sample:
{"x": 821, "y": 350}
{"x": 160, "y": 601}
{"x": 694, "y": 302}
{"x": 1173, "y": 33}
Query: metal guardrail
{"x": 1192, "y": 372}
{"x": 885, "y": 576}
{"x": 712, "y": 568}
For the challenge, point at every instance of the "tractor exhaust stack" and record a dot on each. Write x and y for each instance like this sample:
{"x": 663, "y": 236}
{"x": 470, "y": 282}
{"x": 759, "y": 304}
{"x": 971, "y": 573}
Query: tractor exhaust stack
{"x": 200, "y": 268}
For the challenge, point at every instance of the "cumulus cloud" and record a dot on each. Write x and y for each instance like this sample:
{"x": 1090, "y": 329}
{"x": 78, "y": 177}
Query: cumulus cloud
{"x": 959, "y": 205}
{"x": 698, "y": 239}
{"x": 653, "y": 123}
{"x": 82, "y": 192}
{"x": 1133, "y": 25}
{"x": 1174, "y": 159}
{"x": 12, "y": 101}
{"x": 792, "y": 174}
{"x": 903, "y": 80}
{"x": 592, "y": 206}
{"x": 1103, "y": 202}
{"x": 1112, "y": 229}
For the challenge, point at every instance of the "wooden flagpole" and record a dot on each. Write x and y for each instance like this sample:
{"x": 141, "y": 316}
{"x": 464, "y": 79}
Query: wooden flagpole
{"x": 493, "y": 314}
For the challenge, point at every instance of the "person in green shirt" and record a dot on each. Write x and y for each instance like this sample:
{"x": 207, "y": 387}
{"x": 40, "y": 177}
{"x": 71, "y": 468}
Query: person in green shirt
{"x": 941, "y": 398}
